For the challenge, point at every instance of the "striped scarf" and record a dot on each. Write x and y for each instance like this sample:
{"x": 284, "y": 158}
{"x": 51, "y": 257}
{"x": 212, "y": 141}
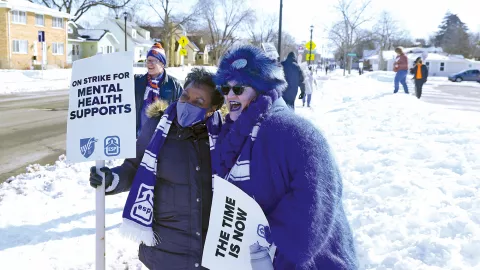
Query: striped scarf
{"x": 232, "y": 147}
{"x": 138, "y": 210}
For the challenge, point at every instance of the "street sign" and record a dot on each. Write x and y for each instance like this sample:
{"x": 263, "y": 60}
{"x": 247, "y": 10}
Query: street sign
{"x": 183, "y": 41}
{"x": 310, "y": 57}
{"x": 41, "y": 36}
{"x": 352, "y": 54}
{"x": 270, "y": 50}
{"x": 183, "y": 52}
{"x": 300, "y": 49}
{"x": 310, "y": 45}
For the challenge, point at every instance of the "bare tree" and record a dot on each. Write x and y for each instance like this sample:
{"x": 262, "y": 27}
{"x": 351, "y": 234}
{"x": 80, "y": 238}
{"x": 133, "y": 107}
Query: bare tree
{"x": 77, "y": 8}
{"x": 346, "y": 34}
{"x": 263, "y": 29}
{"x": 223, "y": 18}
{"x": 388, "y": 35}
{"x": 288, "y": 44}
{"x": 169, "y": 22}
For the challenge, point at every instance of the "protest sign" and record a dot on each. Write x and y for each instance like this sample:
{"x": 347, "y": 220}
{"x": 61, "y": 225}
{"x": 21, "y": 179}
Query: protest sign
{"x": 101, "y": 121}
{"x": 236, "y": 232}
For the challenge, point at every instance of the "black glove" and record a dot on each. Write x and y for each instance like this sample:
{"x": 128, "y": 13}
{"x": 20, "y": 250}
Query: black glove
{"x": 96, "y": 179}
{"x": 302, "y": 94}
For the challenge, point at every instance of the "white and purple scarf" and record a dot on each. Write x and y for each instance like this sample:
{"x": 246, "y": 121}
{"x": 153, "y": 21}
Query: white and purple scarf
{"x": 138, "y": 210}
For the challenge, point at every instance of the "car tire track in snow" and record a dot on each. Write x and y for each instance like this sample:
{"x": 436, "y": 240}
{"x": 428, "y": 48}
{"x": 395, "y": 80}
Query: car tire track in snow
{"x": 32, "y": 130}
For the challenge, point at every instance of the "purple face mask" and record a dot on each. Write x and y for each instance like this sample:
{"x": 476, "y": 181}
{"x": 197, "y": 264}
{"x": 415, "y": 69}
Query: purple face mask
{"x": 189, "y": 115}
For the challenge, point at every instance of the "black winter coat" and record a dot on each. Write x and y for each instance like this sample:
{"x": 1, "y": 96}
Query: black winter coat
{"x": 413, "y": 71}
{"x": 170, "y": 91}
{"x": 182, "y": 195}
{"x": 293, "y": 76}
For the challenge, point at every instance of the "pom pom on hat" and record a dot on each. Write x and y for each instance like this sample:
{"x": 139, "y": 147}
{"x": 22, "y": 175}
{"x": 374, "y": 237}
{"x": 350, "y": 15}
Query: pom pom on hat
{"x": 158, "y": 52}
{"x": 250, "y": 66}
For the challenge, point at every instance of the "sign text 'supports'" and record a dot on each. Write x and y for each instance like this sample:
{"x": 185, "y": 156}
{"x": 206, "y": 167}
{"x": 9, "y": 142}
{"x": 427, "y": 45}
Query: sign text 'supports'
{"x": 233, "y": 227}
{"x": 99, "y": 97}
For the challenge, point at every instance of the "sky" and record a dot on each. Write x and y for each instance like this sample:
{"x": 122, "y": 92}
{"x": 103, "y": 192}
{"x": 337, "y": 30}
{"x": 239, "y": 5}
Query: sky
{"x": 420, "y": 18}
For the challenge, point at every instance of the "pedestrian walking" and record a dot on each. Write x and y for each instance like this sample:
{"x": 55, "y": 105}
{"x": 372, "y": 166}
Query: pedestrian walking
{"x": 295, "y": 79}
{"x": 284, "y": 162}
{"x": 310, "y": 84}
{"x": 401, "y": 68}
{"x": 420, "y": 75}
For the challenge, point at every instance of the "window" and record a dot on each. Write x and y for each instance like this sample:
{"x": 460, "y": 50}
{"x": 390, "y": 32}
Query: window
{"x": 20, "y": 46}
{"x": 57, "y": 48}
{"x": 19, "y": 16}
{"x": 442, "y": 66}
{"x": 57, "y": 22}
{"x": 39, "y": 20}
{"x": 109, "y": 49}
{"x": 70, "y": 30}
{"x": 134, "y": 33}
{"x": 78, "y": 49}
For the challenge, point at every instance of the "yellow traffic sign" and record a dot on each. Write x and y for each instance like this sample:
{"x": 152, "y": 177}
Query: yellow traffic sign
{"x": 183, "y": 52}
{"x": 310, "y": 44}
{"x": 310, "y": 57}
{"x": 183, "y": 41}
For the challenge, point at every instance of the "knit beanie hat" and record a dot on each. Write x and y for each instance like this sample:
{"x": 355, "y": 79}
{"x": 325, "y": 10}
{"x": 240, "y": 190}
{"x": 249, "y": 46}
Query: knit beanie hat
{"x": 158, "y": 52}
{"x": 250, "y": 66}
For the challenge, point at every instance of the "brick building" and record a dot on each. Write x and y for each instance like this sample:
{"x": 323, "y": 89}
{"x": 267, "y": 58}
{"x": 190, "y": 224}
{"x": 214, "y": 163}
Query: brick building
{"x": 20, "y": 22}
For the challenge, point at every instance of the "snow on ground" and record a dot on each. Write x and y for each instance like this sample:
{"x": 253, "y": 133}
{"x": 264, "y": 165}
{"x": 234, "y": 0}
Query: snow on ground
{"x": 388, "y": 76}
{"x": 15, "y": 81}
{"x": 411, "y": 185}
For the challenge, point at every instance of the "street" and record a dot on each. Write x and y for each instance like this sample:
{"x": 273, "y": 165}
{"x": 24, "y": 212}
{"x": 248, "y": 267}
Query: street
{"x": 458, "y": 96}
{"x": 33, "y": 125}
{"x": 32, "y": 130}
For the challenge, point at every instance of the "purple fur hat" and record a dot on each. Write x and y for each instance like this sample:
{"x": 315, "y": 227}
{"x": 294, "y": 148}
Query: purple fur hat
{"x": 248, "y": 65}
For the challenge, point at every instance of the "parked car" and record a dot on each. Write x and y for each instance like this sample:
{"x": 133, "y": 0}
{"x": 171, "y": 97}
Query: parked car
{"x": 466, "y": 75}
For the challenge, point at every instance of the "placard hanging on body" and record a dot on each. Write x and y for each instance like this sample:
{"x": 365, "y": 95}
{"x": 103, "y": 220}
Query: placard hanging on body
{"x": 236, "y": 232}
{"x": 101, "y": 122}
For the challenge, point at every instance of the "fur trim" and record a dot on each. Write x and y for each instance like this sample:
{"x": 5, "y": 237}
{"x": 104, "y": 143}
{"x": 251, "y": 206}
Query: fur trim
{"x": 156, "y": 109}
{"x": 249, "y": 65}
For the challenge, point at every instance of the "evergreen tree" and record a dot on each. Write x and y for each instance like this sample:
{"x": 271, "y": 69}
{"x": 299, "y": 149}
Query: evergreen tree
{"x": 452, "y": 35}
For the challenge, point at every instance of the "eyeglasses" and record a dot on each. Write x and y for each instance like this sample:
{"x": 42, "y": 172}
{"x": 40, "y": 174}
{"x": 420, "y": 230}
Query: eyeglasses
{"x": 154, "y": 62}
{"x": 237, "y": 89}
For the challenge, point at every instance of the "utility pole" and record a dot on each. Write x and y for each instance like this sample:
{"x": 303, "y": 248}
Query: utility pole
{"x": 311, "y": 43}
{"x": 280, "y": 33}
{"x": 125, "y": 14}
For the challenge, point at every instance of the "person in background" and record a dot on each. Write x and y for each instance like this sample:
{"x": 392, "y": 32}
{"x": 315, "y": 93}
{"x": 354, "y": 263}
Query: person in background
{"x": 309, "y": 86}
{"x": 420, "y": 75}
{"x": 284, "y": 162}
{"x": 172, "y": 165}
{"x": 401, "y": 68}
{"x": 154, "y": 85}
{"x": 295, "y": 79}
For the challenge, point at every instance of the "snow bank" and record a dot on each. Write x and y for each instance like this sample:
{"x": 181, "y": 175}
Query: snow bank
{"x": 411, "y": 177}
{"x": 15, "y": 81}
{"x": 411, "y": 188}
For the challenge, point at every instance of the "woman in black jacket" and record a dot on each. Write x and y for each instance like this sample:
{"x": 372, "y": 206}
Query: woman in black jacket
{"x": 420, "y": 75}
{"x": 176, "y": 218}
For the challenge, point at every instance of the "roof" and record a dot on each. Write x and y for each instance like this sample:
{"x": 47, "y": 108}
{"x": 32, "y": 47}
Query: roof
{"x": 140, "y": 39}
{"x": 74, "y": 36}
{"x": 28, "y": 6}
{"x": 92, "y": 34}
{"x": 196, "y": 40}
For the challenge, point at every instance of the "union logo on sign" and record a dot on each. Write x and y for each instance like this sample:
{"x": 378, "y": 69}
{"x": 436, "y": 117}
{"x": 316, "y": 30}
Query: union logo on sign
{"x": 87, "y": 146}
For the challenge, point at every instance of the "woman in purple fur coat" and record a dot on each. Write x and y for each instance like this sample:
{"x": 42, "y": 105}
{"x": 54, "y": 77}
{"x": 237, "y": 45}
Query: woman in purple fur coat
{"x": 282, "y": 161}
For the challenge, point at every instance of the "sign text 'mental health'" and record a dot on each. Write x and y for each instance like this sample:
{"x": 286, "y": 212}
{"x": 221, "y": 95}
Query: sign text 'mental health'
{"x": 101, "y": 98}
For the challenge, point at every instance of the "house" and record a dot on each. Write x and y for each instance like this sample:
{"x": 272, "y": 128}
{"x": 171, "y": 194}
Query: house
{"x": 83, "y": 43}
{"x": 20, "y": 23}
{"x": 202, "y": 58}
{"x": 135, "y": 38}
